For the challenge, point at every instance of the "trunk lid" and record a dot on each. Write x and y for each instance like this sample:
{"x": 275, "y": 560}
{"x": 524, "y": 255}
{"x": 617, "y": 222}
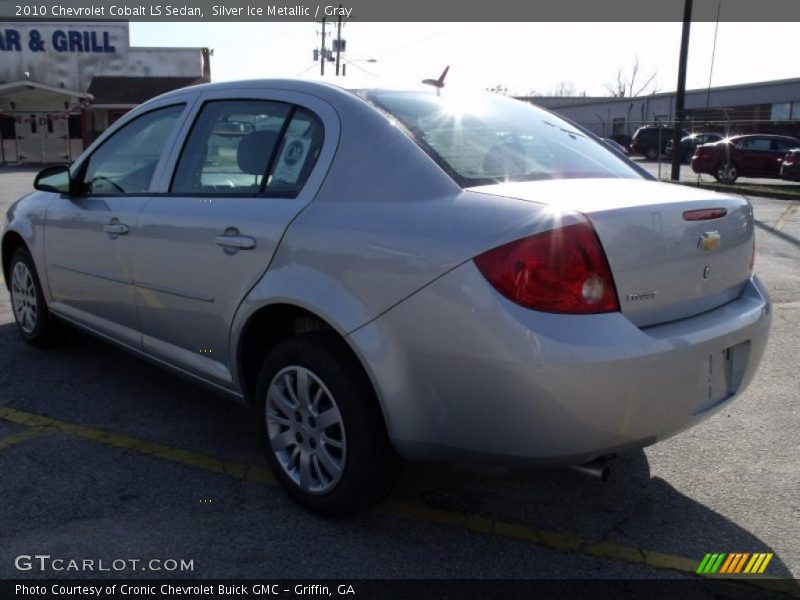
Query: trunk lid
{"x": 665, "y": 267}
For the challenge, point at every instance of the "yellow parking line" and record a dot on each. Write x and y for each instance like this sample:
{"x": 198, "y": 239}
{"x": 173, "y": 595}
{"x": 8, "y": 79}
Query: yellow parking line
{"x": 21, "y": 437}
{"x": 177, "y": 455}
{"x": 784, "y": 218}
{"x": 565, "y": 542}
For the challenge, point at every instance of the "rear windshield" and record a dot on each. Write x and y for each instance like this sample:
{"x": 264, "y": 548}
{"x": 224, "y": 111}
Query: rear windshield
{"x": 489, "y": 139}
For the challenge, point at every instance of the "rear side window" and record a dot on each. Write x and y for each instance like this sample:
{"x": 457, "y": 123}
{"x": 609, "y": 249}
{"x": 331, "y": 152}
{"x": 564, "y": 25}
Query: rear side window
{"x": 487, "y": 139}
{"x": 126, "y": 161}
{"x": 246, "y": 147}
{"x": 757, "y": 144}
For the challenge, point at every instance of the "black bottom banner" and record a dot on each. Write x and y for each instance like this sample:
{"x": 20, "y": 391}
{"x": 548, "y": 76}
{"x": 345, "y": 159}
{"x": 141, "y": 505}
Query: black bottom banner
{"x": 382, "y": 589}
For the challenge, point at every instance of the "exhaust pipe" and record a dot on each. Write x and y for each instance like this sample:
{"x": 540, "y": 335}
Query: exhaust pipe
{"x": 598, "y": 468}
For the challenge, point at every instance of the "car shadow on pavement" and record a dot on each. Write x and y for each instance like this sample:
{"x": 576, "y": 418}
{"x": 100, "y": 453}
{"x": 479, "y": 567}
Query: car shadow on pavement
{"x": 632, "y": 509}
{"x": 778, "y": 233}
{"x": 87, "y": 381}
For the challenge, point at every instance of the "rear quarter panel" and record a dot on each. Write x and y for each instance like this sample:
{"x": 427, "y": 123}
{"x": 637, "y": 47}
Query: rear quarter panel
{"x": 386, "y": 222}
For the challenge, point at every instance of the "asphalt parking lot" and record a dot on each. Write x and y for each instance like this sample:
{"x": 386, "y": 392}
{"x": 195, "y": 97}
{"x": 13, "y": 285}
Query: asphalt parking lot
{"x": 104, "y": 456}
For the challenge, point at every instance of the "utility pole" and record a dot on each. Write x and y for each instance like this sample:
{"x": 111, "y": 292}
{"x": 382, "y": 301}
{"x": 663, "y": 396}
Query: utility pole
{"x": 322, "y": 51}
{"x": 680, "y": 96}
{"x": 338, "y": 41}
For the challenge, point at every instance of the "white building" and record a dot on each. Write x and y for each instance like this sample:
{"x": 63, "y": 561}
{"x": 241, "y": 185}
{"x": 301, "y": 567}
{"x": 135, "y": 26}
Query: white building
{"x": 62, "y": 84}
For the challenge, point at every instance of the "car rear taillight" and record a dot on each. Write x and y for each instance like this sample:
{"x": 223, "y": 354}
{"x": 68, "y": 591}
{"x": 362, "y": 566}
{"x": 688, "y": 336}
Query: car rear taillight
{"x": 563, "y": 270}
{"x": 791, "y": 158}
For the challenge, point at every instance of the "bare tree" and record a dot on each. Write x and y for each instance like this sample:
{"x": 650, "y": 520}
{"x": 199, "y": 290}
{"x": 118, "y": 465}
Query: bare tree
{"x": 498, "y": 89}
{"x": 629, "y": 86}
{"x": 564, "y": 88}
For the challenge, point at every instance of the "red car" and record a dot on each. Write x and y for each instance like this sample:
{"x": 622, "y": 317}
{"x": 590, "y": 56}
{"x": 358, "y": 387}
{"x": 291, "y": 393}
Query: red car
{"x": 755, "y": 155}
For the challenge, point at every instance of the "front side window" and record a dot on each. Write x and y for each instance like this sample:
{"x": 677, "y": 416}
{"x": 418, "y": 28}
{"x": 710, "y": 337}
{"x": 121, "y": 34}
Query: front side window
{"x": 483, "y": 140}
{"x": 127, "y": 160}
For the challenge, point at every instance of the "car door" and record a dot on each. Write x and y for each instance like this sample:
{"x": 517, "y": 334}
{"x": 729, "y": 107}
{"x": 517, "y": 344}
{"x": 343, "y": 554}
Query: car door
{"x": 248, "y": 164}
{"x": 90, "y": 236}
{"x": 753, "y": 156}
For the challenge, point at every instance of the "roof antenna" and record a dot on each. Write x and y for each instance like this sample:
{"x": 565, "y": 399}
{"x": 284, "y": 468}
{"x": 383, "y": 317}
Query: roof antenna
{"x": 437, "y": 83}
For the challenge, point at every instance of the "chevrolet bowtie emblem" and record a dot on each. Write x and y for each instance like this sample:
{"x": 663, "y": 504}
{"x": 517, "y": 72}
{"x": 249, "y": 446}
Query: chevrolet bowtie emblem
{"x": 710, "y": 240}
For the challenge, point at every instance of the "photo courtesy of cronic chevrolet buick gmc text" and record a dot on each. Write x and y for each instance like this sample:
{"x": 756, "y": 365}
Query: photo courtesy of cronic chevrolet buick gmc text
{"x": 386, "y": 274}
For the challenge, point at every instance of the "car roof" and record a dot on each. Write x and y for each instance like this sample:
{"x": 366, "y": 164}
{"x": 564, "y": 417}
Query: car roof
{"x": 761, "y": 135}
{"x": 321, "y": 89}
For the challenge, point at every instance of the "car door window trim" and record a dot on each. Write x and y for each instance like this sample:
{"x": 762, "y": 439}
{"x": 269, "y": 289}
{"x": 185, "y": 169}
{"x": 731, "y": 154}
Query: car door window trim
{"x": 276, "y": 149}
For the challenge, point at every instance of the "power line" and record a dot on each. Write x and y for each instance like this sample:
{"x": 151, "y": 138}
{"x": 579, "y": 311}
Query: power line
{"x": 711, "y": 68}
{"x": 713, "y": 54}
{"x": 306, "y": 70}
{"x": 360, "y": 68}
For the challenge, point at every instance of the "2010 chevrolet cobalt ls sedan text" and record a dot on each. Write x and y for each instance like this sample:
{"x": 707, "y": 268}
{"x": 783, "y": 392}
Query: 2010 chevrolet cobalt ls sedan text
{"x": 385, "y": 274}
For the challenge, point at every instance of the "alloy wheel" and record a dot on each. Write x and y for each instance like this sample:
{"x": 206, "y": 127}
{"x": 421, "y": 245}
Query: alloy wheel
{"x": 23, "y": 297}
{"x": 727, "y": 173}
{"x": 305, "y": 429}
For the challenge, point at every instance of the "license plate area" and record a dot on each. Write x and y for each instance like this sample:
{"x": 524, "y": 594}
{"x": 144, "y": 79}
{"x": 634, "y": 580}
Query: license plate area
{"x": 724, "y": 371}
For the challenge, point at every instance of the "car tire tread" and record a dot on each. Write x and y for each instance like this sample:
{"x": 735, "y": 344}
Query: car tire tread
{"x": 372, "y": 463}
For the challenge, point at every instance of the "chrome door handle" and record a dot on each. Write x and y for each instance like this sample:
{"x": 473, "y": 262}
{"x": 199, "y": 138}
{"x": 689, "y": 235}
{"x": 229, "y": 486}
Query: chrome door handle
{"x": 240, "y": 242}
{"x": 116, "y": 229}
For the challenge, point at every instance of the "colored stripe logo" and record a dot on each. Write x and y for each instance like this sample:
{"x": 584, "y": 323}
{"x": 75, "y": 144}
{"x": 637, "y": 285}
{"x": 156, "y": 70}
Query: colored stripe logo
{"x": 734, "y": 563}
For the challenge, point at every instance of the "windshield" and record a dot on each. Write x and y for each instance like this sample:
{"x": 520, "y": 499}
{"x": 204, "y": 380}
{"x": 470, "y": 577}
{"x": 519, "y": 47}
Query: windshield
{"x": 489, "y": 139}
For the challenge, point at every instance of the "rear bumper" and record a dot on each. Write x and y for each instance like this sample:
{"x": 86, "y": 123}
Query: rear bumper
{"x": 791, "y": 173}
{"x": 463, "y": 373}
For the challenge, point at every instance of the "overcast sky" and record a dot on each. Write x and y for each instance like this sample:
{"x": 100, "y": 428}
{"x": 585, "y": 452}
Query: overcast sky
{"x": 524, "y": 57}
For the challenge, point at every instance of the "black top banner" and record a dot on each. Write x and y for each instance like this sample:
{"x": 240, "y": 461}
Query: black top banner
{"x": 401, "y": 11}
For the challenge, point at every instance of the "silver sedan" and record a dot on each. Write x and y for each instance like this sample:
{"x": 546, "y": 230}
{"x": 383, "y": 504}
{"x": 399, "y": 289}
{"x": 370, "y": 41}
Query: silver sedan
{"x": 386, "y": 274}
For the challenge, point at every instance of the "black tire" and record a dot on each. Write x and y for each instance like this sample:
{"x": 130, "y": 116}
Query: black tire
{"x": 44, "y": 332}
{"x": 651, "y": 152}
{"x": 726, "y": 173}
{"x": 370, "y": 462}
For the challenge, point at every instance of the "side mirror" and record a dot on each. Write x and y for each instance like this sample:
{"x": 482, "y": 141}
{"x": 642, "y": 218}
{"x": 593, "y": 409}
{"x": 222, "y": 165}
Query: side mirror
{"x": 54, "y": 179}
